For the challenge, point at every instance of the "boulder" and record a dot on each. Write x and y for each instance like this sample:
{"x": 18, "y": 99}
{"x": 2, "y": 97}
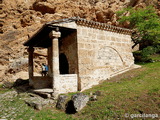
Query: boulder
{"x": 79, "y": 101}
{"x": 98, "y": 93}
{"x": 11, "y": 35}
{"x": 100, "y": 16}
{"x": 36, "y": 106}
{"x": 44, "y": 7}
{"x": 61, "y": 102}
{"x": 38, "y": 102}
{"x": 93, "y": 98}
{"x": 44, "y": 93}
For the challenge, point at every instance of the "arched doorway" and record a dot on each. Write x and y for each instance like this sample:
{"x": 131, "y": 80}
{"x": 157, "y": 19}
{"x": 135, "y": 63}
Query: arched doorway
{"x": 63, "y": 64}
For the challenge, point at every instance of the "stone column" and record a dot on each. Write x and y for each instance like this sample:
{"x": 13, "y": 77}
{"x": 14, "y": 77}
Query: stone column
{"x": 30, "y": 64}
{"x": 53, "y": 52}
{"x": 50, "y": 65}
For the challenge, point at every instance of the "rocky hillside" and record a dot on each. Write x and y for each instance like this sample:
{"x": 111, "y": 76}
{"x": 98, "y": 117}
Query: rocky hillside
{"x": 20, "y": 19}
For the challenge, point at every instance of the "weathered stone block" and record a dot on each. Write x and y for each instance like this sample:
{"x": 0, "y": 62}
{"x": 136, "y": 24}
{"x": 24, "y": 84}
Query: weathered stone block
{"x": 85, "y": 60}
{"x": 88, "y": 46}
{"x": 81, "y": 45}
{"x": 113, "y": 39}
{"x": 66, "y": 81}
{"x": 82, "y": 53}
{"x": 79, "y": 101}
{"x": 92, "y": 35}
{"x": 85, "y": 32}
{"x": 61, "y": 102}
{"x": 94, "y": 40}
{"x": 100, "y": 37}
{"x": 79, "y": 30}
{"x": 91, "y": 53}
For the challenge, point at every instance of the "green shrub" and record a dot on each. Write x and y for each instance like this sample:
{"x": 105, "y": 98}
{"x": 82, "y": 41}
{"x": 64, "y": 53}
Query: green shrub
{"x": 145, "y": 54}
{"x": 150, "y": 50}
{"x": 139, "y": 57}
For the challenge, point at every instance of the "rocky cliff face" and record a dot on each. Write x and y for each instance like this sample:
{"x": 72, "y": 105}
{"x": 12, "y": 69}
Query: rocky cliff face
{"x": 20, "y": 19}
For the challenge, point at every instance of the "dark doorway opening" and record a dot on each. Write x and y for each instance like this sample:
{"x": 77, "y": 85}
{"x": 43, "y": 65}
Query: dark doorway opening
{"x": 63, "y": 64}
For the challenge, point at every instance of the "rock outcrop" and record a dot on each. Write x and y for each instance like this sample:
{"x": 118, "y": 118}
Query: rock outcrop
{"x": 20, "y": 19}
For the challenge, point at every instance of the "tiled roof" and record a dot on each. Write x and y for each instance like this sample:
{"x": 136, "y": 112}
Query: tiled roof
{"x": 93, "y": 24}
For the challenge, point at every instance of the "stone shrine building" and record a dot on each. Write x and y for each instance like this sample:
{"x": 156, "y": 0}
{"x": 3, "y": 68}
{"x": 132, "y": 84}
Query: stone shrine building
{"x": 81, "y": 53}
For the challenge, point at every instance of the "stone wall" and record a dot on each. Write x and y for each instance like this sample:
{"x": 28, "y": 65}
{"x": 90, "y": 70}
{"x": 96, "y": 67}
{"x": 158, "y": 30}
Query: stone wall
{"x": 101, "y": 53}
{"x": 68, "y": 83}
{"x": 39, "y": 82}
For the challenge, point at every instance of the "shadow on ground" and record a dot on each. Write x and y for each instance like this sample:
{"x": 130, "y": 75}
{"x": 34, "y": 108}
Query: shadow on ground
{"x": 21, "y": 85}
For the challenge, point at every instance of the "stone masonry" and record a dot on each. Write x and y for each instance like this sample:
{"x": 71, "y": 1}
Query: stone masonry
{"x": 91, "y": 52}
{"x": 101, "y": 53}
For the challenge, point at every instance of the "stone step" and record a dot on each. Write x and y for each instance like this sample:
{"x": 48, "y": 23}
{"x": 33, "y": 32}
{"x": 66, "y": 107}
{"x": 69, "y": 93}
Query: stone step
{"x": 125, "y": 70}
{"x": 119, "y": 72}
{"x": 45, "y": 90}
{"x": 45, "y": 93}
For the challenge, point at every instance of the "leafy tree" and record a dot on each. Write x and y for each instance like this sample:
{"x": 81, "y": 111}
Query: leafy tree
{"x": 146, "y": 24}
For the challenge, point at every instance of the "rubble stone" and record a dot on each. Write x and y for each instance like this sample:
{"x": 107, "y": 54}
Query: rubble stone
{"x": 79, "y": 101}
{"x": 61, "y": 102}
